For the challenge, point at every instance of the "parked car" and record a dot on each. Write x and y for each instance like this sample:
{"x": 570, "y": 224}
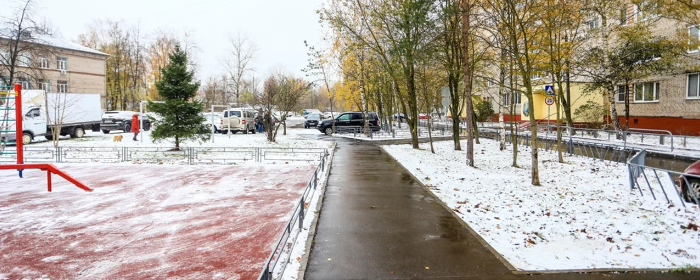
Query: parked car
{"x": 216, "y": 122}
{"x": 423, "y": 116}
{"x": 329, "y": 115}
{"x": 693, "y": 182}
{"x": 238, "y": 119}
{"x": 350, "y": 120}
{"x": 306, "y": 112}
{"x": 121, "y": 120}
{"x": 312, "y": 120}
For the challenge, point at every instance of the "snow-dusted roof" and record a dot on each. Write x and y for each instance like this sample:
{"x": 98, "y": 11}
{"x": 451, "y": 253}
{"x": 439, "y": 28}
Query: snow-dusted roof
{"x": 60, "y": 43}
{"x": 64, "y": 44}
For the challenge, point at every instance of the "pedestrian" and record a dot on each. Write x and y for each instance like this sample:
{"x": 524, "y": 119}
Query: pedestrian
{"x": 135, "y": 126}
{"x": 259, "y": 121}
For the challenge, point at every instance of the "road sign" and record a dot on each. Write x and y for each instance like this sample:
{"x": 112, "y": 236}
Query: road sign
{"x": 549, "y": 100}
{"x": 445, "y": 92}
{"x": 549, "y": 90}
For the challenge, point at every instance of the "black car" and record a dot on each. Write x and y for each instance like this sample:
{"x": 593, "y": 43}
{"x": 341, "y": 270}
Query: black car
{"x": 312, "y": 120}
{"x": 350, "y": 120}
{"x": 121, "y": 120}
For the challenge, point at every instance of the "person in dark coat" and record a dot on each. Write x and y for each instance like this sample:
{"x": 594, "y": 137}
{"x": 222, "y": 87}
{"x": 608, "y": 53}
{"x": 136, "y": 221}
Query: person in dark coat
{"x": 259, "y": 121}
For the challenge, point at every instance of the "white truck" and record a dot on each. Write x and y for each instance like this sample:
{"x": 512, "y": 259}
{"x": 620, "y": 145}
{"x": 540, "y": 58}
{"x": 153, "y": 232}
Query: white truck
{"x": 72, "y": 113}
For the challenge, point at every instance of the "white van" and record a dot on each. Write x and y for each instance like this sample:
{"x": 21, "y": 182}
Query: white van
{"x": 238, "y": 119}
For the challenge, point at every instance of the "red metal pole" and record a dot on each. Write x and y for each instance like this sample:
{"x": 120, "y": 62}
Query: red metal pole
{"x": 48, "y": 174}
{"x": 18, "y": 124}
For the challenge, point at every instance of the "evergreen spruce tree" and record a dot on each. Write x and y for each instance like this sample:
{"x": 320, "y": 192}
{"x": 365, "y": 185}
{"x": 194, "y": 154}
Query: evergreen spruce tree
{"x": 180, "y": 115}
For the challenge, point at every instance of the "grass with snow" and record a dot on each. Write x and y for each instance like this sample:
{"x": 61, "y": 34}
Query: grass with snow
{"x": 583, "y": 216}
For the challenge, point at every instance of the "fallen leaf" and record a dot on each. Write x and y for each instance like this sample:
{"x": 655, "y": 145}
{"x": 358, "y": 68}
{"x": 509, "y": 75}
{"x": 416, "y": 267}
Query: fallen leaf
{"x": 427, "y": 267}
{"x": 329, "y": 259}
{"x": 298, "y": 258}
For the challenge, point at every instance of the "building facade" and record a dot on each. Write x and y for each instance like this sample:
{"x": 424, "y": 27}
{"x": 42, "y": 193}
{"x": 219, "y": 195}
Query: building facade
{"x": 57, "y": 66}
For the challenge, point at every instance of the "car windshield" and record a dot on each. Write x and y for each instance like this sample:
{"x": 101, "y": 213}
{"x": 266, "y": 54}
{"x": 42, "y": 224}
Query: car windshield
{"x": 314, "y": 117}
{"x": 232, "y": 113}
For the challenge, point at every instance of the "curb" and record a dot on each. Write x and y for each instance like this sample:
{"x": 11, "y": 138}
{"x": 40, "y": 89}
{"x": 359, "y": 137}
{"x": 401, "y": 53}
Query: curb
{"x": 304, "y": 262}
{"x": 528, "y": 272}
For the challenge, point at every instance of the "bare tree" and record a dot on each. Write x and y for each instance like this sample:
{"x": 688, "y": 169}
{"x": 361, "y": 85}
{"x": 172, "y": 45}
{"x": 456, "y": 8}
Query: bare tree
{"x": 237, "y": 63}
{"x": 22, "y": 41}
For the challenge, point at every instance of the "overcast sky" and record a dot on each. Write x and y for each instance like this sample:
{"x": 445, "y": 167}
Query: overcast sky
{"x": 278, "y": 27}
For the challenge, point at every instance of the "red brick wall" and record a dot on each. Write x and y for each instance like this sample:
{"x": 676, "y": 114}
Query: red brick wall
{"x": 676, "y": 125}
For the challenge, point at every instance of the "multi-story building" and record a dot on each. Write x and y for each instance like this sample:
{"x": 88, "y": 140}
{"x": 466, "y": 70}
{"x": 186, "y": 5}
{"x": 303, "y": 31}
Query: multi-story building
{"x": 671, "y": 101}
{"x": 56, "y": 65}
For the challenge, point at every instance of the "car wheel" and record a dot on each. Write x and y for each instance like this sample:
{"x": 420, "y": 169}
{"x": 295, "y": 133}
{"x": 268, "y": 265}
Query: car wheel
{"x": 105, "y": 131}
{"x": 245, "y": 130}
{"x": 694, "y": 185}
{"x": 127, "y": 128}
{"x": 234, "y": 131}
{"x": 147, "y": 126}
{"x": 26, "y": 138}
{"x": 329, "y": 131}
{"x": 78, "y": 133}
{"x": 49, "y": 136}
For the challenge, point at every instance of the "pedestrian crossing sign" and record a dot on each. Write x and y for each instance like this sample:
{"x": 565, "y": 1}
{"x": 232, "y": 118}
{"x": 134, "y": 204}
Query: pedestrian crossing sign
{"x": 549, "y": 89}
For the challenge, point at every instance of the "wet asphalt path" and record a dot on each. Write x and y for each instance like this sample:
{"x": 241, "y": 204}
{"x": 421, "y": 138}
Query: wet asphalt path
{"x": 378, "y": 223}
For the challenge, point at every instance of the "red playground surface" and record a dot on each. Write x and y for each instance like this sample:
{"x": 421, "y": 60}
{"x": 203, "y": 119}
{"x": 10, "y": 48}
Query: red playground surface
{"x": 146, "y": 221}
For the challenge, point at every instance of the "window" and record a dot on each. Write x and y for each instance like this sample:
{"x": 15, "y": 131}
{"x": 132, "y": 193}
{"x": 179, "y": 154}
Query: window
{"x": 62, "y": 63}
{"x": 490, "y": 82}
{"x": 62, "y": 86}
{"x": 24, "y": 60}
{"x": 621, "y": 93}
{"x": 232, "y": 113}
{"x": 623, "y": 16}
{"x": 26, "y": 83}
{"x": 344, "y": 117}
{"x": 45, "y": 85}
{"x": 507, "y": 98}
{"x": 34, "y": 113}
{"x": 645, "y": 10}
{"x": 693, "y": 86}
{"x": 43, "y": 63}
{"x": 593, "y": 24}
{"x": 536, "y": 76}
{"x": 646, "y": 92}
{"x": 357, "y": 116}
{"x": 694, "y": 32}
{"x": 4, "y": 56}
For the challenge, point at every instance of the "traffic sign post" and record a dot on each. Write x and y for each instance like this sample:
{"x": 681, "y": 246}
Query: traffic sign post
{"x": 549, "y": 100}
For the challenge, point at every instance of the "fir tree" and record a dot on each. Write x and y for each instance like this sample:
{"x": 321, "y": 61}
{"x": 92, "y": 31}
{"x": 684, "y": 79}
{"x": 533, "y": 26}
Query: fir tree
{"x": 180, "y": 115}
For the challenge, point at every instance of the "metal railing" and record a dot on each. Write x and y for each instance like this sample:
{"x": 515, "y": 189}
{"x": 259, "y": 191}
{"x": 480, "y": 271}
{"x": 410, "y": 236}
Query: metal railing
{"x": 279, "y": 258}
{"x": 188, "y": 155}
{"x": 637, "y": 170}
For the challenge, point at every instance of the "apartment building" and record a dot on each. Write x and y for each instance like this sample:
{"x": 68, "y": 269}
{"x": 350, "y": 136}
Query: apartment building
{"x": 57, "y": 65}
{"x": 671, "y": 101}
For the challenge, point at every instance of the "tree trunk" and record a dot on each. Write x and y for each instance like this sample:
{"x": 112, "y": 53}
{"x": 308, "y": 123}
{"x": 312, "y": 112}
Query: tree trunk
{"x": 613, "y": 113}
{"x": 454, "y": 109}
{"x": 467, "y": 82}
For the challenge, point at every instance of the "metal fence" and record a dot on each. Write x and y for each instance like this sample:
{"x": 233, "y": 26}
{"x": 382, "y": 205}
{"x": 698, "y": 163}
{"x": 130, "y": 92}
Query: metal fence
{"x": 642, "y": 177}
{"x": 188, "y": 155}
{"x": 595, "y": 150}
{"x": 392, "y": 133}
{"x": 279, "y": 258}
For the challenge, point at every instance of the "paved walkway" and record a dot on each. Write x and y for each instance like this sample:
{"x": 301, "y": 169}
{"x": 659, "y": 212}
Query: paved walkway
{"x": 378, "y": 223}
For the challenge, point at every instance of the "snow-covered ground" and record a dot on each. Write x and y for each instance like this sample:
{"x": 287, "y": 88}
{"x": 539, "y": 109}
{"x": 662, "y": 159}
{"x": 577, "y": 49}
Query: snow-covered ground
{"x": 294, "y": 139}
{"x": 146, "y": 221}
{"x": 582, "y": 217}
